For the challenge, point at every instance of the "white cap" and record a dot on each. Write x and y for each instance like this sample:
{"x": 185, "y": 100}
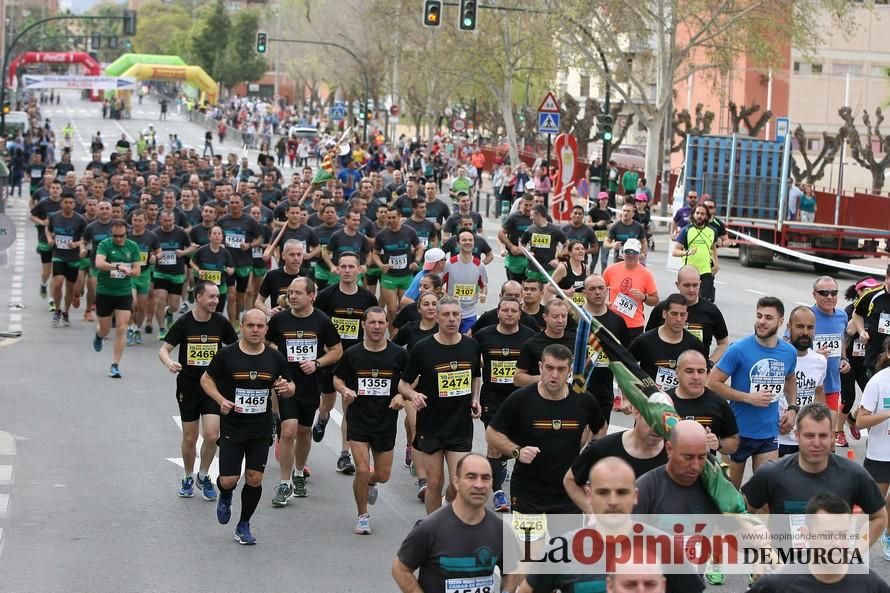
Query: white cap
{"x": 660, "y": 397}
{"x": 632, "y": 245}
{"x": 432, "y": 257}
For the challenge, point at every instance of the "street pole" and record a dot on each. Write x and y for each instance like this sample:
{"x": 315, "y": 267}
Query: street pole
{"x": 547, "y": 169}
{"x": 355, "y": 57}
{"x": 18, "y": 38}
{"x": 840, "y": 170}
{"x": 607, "y": 144}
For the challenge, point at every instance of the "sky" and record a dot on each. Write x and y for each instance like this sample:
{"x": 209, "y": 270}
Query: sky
{"x": 80, "y": 6}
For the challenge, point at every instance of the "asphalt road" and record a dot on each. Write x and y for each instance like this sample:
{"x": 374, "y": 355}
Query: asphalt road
{"x": 88, "y": 473}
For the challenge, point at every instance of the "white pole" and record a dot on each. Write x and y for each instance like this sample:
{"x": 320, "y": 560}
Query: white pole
{"x": 840, "y": 169}
{"x": 690, "y": 81}
{"x": 769, "y": 102}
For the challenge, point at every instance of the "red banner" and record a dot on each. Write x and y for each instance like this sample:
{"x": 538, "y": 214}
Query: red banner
{"x": 567, "y": 172}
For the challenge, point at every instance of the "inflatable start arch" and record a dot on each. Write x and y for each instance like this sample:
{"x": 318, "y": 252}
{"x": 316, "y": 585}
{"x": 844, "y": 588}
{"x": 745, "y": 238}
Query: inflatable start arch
{"x": 194, "y": 75}
{"x": 90, "y": 66}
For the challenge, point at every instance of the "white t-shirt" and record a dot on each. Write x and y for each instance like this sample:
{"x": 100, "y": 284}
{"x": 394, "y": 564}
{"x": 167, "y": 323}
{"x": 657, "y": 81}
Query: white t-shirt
{"x": 876, "y": 399}
{"x": 810, "y": 373}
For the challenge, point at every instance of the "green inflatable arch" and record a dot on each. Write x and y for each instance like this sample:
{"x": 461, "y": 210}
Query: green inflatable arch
{"x": 126, "y": 61}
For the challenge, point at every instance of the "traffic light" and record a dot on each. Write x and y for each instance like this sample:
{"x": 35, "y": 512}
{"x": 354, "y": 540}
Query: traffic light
{"x": 468, "y": 11}
{"x": 262, "y": 40}
{"x": 6, "y": 108}
{"x": 112, "y": 42}
{"x": 604, "y": 124}
{"x": 129, "y": 23}
{"x": 96, "y": 41}
{"x": 432, "y": 13}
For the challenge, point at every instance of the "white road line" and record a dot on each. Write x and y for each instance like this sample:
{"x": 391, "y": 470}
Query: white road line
{"x": 4, "y": 505}
{"x": 5, "y": 475}
{"x": 752, "y": 291}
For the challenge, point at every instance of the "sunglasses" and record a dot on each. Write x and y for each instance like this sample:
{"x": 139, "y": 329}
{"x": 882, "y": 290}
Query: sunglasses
{"x": 119, "y": 236}
{"x": 826, "y": 293}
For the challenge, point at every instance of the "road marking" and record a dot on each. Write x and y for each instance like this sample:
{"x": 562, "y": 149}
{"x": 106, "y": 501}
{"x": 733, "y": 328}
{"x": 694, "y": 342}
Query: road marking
{"x": 752, "y": 291}
{"x": 4, "y": 505}
{"x": 5, "y": 475}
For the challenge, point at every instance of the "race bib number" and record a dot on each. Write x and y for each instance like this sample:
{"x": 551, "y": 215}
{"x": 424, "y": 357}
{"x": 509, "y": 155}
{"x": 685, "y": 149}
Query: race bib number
{"x": 63, "y": 242}
{"x": 601, "y": 358}
{"x": 858, "y": 348}
{"x": 601, "y": 234}
{"x": 529, "y": 527}
{"x": 301, "y": 349}
{"x": 200, "y": 355}
{"x": 256, "y": 252}
{"x": 625, "y": 305}
{"x": 455, "y": 383}
{"x": 470, "y": 585}
{"x": 398, "y": 262}
{"x": 884, "y": 323}
{"x": 120, "y": 275}
{"x": 464, "y": 292}
{"x": 424, "y": 241}
{"x": 214, "y": 276}
{"x": 832, "y": 342}
{"x": 347, "y": 328}
{"x": 666, "y": 378}
{"x": 541, "y": 240}
{"x": 578, "y": 299}
{"x": 143, "y": 257}
{"x": 376, "y": 386}
{"x": 234, "y": 240}
{"x": 251, "y": 401}
{"x": 36, "y": 173}
{"x": 168, "y": 258}
{"x": 776, "y": 389}
{"x": 502, "y": 371}
{"x": 805, "y": 398}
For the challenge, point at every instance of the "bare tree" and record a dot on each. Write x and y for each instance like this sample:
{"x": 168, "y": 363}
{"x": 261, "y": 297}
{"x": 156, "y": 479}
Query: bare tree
{"x": 739, "y": 115}
{"x": 865, "y": 154}
{"x": 687, "y": 124}
{"x": 813, "y": 170}
{"x": 583, "y": 125}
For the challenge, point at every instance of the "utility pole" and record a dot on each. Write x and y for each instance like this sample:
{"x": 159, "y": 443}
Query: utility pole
{"x": 607, "y": 110}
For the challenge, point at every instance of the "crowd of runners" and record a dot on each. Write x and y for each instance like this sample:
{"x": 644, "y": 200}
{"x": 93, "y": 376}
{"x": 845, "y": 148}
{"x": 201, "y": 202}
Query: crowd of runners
{"x": 275, "y": 300}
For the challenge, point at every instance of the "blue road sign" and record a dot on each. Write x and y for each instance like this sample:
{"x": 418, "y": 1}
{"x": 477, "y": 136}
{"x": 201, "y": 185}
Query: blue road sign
{"x": 548, "y": 123}
{"x": 338, "y": 112}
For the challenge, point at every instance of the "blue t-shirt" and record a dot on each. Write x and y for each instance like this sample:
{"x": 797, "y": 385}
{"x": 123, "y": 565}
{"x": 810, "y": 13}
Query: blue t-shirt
{"x": 752, "y": 367}
{"x": 413, "y": 291}
{"x": 830, "y": 331}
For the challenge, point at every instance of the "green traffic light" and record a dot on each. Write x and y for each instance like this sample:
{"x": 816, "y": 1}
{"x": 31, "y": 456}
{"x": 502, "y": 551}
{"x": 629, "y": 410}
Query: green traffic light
{"x": 607, "y": 136}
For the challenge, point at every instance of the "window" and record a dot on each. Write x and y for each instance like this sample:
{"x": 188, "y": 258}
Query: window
{"x": 807, "y": 68}
{"x": 814, "y": 144}
{"x": 879, "y": 71}
{"x": 797, "y": 66}
{"x": 585, "y": 85}
{"x": 816, "y": 68}
{"x": 841, "y": 69}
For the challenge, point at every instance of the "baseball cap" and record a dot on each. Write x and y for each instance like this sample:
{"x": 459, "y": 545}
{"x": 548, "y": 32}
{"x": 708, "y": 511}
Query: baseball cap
{"x": 632, "y": 245}
{"x": 641, "y": 198}
{"x": 603, "y": 195}
{"x": 867, "y": 283}
{"x": 432, "y": 257}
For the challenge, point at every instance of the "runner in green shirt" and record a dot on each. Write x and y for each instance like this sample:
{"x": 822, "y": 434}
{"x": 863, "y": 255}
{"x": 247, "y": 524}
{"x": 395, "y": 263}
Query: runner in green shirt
{"x": 118, "y": 261}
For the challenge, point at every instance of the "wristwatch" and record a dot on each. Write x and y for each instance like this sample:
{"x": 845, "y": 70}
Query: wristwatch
{"x": 516, "y": 452}
{"x": 317, "y": 365}
{"x": 795, "y": 408}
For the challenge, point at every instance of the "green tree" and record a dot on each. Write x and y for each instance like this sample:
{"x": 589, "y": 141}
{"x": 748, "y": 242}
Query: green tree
{"x": 209, "y": 39}
{"x": 240, "y": 62}
{"x": 160, "y": 25}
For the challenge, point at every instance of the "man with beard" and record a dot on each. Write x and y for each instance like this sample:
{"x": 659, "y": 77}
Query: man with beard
{"x": 762, "y": 370}
{"x": 697, "y": 245}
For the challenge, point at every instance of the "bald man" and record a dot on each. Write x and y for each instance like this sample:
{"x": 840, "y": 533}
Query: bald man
{"x": 510, "y": 288}
{"x": 675, "y": 488}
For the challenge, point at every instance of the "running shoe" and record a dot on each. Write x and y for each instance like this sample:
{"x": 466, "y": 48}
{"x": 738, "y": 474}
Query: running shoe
{"x": 372, "y": 494}
{"x": 318, "y": 429}
{"x": 115, "y": 371}
{"x": 363, "y": 525}
{"x": 43, "y": 291}
{"x": 65, "y": 321}
{"x": 243, "y": 535}
{"x": 131, "y": 336}
{"x": 714, "y": 573}
{"x": 162, "y": 333}
{"x": 168, "y": 320}
{"x": 137, "y": 337}
{"x": 412, "y": 469}
{"x": 191, "y": 295}
{"x": 224, "y": 509}
{"x": 57, "y": 319}
{"x": 409, "y": 456}
{"x": 854, "y": 431}
{"x": 421, "y": 489}
{"x": 148, "y": 328}
{"x": 344, "y": 465}
{"x": 52, "y": 306}
{"x": 885, "y": 546}
{"x": 182, "y": 309}
{"x": 501, "y": 505}
{"x": 840, "y": 439}
{"x": 208, "y": 492}
{"x": 187, "y": 487}
{"x": 283, "y": 495}
{"x": 97, "y": 343}
{"x": 300, "y": 487}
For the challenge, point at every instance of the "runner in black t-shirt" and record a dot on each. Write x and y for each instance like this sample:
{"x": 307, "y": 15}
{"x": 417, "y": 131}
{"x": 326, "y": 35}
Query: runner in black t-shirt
{"x": 368, "y": 378}
{"x": 694, "y": 401}
{"x": 556, "y": 313}
{"x": 500, "y": 348}
{"x": 275, "y": 283}
{"x": 541, "y": 426}
{"x": 199, "y": 334}
{"x": 511, "y": 289}
{"x": 543, "y": 240}
{"x": 310, "y": 343}
{"x": 442, "y": 381}
{"x": 657, "y": 350}
{"x": 240, "y": 379}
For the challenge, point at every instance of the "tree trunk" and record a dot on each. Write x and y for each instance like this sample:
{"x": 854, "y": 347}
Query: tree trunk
{"x": 877, "y": 178}
{"x": 653, "y": 143}
{"x": 506, "y": 102}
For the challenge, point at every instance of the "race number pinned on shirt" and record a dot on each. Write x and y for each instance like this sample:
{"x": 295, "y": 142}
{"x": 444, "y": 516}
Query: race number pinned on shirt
{"x": 398, "y": 262}
{"x": 347, "y": 328}
{"x": 529, "y": 527}
{"x": 484, "y": 584}
{"x": 578, "y": 299}
{"x": 251, "y": 401}
{"x": 376, "y": 386}
{"x": 256, "y": 252}
{"x": 541, "y": 240}
{"x": 214, "y": 276}
{"x": 601, "y": 234}
{"x": 200, "y": 355}
{"x": 602, "y": 359}
{"x": 464, "y": 292}
{"x": 502, "y": 371}
{"x": 63, "y": 242}
{"x": 234, "y": 240}
{"x": 168, "y": 258}
{"x": 455, "y": 383}
{"x": 301, "y": 349}
{"x": 625, "y": 305}
{"x": 424, "y": 241}
{"x": 143, "y": 257}
{"x": 831, "y": 342}
{"x": 666, "y": 378}
{"x": 858, "y": 348}
{"x": 122, "y": 271}
{"x": 884, "y": 323}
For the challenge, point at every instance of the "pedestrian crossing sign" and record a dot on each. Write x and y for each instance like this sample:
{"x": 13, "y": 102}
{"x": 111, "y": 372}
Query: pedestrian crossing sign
{"x": 548, "y": 123}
